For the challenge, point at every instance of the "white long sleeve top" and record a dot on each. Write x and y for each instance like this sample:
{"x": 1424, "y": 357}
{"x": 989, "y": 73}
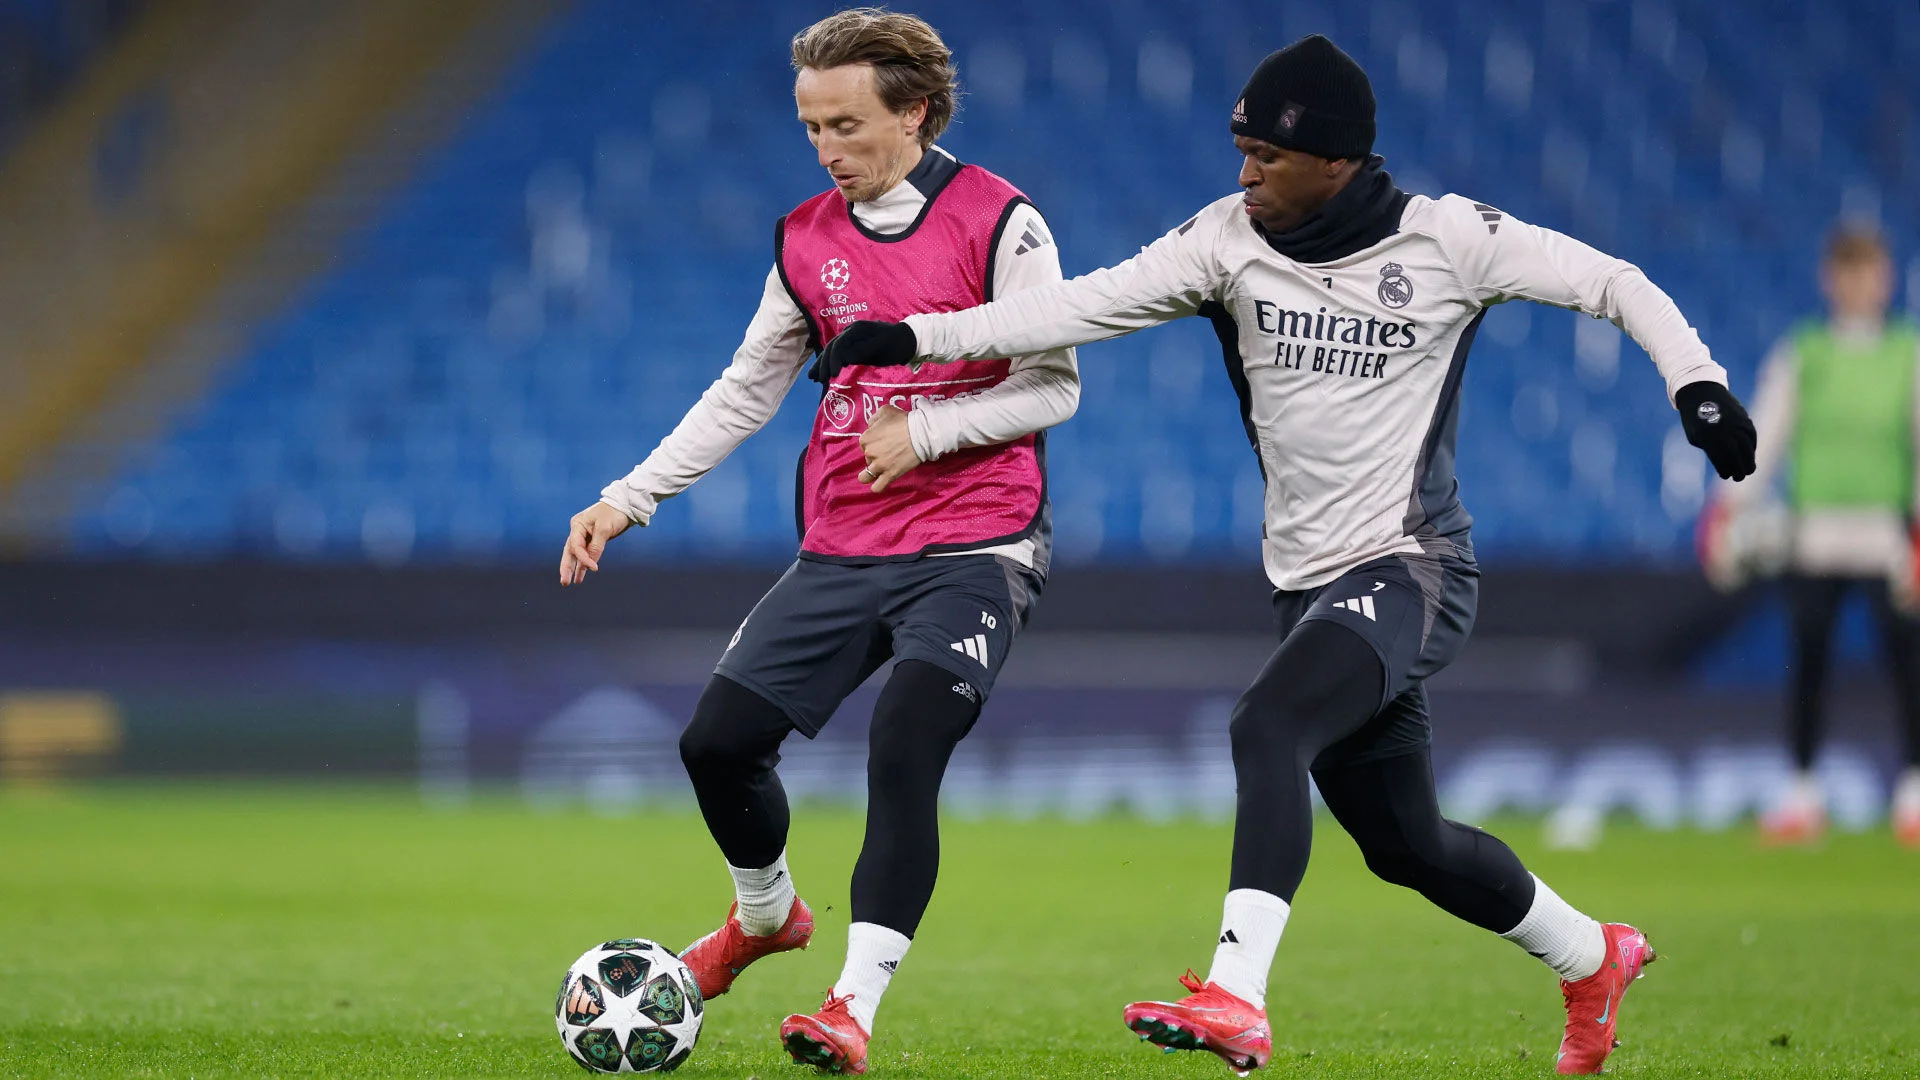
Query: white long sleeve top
{"x": 1348, "y": 371}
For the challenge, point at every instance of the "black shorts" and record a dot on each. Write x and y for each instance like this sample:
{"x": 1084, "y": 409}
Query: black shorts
{"x": 824, "y": 627}
{"x": 1416, "y": 611}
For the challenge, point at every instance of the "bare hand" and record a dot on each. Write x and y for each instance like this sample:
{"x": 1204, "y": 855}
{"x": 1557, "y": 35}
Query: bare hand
{"x": 889, "y": 449}
{"x": 592, "y": 528}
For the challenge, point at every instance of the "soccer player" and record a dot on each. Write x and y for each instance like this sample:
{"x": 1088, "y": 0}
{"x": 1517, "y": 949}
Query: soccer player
{"x": 1345, "y": 308}
{"x": 1837, "y": 406}
{"x": 925, "y": 528}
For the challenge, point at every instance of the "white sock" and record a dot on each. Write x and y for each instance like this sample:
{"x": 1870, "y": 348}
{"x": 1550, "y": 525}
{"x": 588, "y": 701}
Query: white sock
{"x": 765, "y": 896}
{"x": 1906, "y": 791}
{"x": 1804, "y": 794}
{"x": 1250, "y": 927}
{"x": 873, "y": 954}
{"x": 1570, "y": 943}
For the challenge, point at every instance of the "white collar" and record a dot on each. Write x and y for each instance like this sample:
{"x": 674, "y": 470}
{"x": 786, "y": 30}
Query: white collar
{"x": 897, "y": 208}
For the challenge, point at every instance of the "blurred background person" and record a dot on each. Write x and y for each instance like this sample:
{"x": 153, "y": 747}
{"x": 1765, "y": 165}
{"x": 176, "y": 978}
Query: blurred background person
{"x": 1832, "y": 507}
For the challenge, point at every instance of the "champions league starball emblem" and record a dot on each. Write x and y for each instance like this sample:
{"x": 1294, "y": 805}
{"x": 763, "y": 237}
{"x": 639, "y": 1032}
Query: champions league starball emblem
{"x": 836, "y": 275}
{"x": 1395, "y": 290}
{"x": 839, "y": 409}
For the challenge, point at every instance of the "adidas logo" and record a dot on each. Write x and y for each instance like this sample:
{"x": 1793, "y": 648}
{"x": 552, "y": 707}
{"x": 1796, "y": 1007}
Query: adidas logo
{"x": 975, "y": 647}
{"x": 889, "y": 966}
{"x": 1228, "y": 937}
{"x": 966, "y": 690}
{"x": 1240, "y": 111}
{"x": 1033, "y": 239}
{"x": 1360, "y": 605}
{"x": 1489, "y": 215}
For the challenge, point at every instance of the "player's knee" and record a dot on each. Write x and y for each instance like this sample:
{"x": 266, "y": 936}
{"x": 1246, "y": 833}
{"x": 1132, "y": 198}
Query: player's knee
{"x": 1249, "y": 722}
{"x": 702, "y": 751}
{"x": 710, "y": 745}
{"x": 732, "y": 728}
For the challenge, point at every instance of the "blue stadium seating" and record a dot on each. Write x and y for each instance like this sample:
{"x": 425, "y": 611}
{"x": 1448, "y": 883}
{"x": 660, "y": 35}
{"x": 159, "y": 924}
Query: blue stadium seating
{"x": 530, "y": 315}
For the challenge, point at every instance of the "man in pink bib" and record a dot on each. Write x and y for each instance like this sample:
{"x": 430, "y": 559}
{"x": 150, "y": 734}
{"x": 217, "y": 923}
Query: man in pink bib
{"x": 925, "y": 531}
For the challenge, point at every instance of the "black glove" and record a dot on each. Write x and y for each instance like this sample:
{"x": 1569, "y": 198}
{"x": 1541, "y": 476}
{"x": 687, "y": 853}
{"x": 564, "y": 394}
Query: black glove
{"x": 875, "y": 344}
{"x": 1716, "y": 423}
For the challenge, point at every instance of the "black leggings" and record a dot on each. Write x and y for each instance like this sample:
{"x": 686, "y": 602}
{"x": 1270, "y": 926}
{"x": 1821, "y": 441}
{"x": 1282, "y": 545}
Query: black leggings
{"x": 1815, "y": 604}
{"x": 1323, "y": 685}
{"x": 733, "y": 744}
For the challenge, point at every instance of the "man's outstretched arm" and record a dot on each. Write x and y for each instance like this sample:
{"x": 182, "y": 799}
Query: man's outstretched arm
{"x": 1525, "y": 262}
{"x": 1040, "y": 390}
{"x": 738, "y": 404}
{"x": 1168, "y": 280}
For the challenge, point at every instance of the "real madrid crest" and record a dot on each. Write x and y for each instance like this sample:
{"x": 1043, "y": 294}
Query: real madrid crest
{"x": 1395, "y": 290}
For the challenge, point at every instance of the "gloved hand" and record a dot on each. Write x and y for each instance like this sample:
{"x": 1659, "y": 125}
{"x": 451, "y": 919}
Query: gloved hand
{"x": 875, "y": 344}
{"x": 1716, "y": 423}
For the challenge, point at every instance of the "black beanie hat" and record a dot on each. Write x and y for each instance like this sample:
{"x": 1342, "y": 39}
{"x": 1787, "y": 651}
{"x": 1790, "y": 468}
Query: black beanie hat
{"x": 1309, "y": 96}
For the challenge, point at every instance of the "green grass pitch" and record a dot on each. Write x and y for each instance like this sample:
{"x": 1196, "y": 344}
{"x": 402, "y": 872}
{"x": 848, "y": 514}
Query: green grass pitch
{"x": 219, "y": 932}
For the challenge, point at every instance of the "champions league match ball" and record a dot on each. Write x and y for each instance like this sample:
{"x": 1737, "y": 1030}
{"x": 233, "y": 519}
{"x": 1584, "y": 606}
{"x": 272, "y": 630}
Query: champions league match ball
{"x": 629, "y": 1006}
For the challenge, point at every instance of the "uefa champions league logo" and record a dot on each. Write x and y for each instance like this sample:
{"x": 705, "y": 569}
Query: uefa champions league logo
{"x": 840, "y": 308}
{"x": 839, "y": 409}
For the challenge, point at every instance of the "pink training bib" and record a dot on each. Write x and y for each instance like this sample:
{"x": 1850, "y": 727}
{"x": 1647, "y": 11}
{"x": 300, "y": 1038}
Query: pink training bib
{"x": 838, "y": 274}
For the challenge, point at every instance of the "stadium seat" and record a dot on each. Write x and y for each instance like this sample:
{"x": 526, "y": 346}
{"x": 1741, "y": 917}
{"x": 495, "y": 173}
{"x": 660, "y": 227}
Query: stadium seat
{"x": 534, "y": 311}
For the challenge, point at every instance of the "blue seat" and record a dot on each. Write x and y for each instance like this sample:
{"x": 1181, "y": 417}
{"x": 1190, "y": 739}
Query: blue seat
{"x": 438, "y": 358}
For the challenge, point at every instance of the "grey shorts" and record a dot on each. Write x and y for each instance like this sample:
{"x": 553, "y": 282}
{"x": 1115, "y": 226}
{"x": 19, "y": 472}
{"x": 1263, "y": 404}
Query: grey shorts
{"x": 825, "y": 627}
{"x": 1416, "y": 612}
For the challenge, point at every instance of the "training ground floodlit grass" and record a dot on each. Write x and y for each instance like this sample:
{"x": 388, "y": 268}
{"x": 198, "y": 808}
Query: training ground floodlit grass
{"x": 212, "y": 932}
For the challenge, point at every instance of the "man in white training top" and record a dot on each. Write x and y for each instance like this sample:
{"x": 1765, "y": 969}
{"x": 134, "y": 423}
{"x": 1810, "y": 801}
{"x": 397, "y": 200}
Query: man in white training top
{"x": 1345, "y": 308}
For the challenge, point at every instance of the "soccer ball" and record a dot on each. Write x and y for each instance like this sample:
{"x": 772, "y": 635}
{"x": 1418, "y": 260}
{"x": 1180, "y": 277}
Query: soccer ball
{"x": 629, "y": 1006}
